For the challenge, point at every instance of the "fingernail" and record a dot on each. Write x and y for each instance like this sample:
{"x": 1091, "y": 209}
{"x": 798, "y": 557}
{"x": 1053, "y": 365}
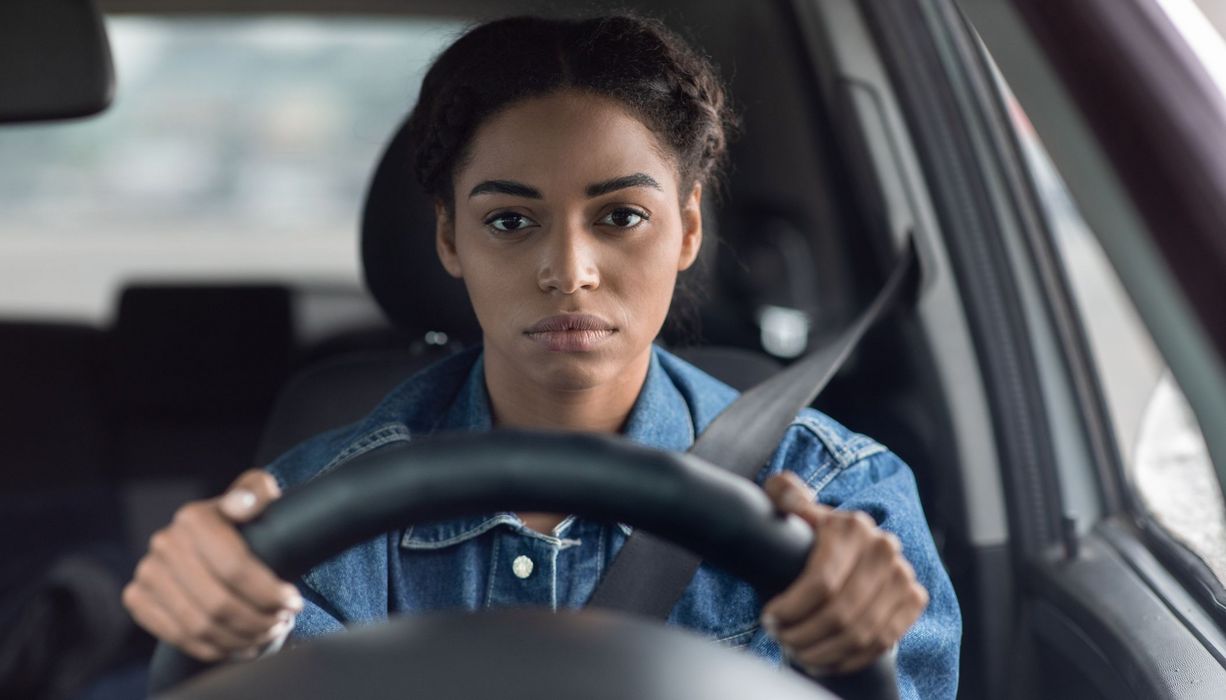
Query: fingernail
{"x": 273, "y": 487}
{"x": 278, "y": 629}
{"x": 292, "y": 600}
{"x": 793, "y": 500}
{"x": 238, "y": 501}
{"x": 815, "y": 671}
{"x": 770, "y": 624}
{"x": 284, "y": 616}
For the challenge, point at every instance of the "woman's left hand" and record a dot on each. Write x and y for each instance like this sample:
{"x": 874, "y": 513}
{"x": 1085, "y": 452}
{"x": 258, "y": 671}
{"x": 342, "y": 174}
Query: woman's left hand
{"x": 857, "y": 595}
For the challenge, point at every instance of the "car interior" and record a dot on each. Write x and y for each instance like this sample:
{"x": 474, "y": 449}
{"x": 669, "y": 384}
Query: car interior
{"x": 109, "y": 429}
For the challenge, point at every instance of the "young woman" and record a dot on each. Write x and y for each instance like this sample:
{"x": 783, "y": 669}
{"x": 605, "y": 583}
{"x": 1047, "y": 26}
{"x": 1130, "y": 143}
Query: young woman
{"x": 567, "y": 160}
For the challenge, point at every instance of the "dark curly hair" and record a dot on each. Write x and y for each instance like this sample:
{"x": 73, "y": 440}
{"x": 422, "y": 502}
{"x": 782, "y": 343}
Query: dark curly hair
{"x": 672, "y": 88}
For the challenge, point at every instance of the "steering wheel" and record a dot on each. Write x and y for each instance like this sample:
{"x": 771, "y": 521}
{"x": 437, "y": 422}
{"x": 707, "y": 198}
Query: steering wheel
{"x": 725, "y": 519}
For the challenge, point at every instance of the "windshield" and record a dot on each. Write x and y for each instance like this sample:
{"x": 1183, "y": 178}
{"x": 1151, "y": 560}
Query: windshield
{"x": 236, "y": 149}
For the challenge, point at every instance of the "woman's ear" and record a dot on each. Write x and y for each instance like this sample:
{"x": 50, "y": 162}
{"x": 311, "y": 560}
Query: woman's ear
{"x": 444, "y": 240}
{"x": 691, "y": 227}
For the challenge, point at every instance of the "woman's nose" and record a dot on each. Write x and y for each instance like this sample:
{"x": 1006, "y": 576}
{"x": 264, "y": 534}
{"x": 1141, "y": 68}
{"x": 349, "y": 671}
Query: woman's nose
{"x": 569, "y": 262}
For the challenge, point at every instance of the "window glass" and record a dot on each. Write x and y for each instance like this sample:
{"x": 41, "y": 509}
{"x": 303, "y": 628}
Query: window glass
{"x": 236, "y": 147}
{"x": 1202, "y": 24}
{"x": 1166, "y": 461}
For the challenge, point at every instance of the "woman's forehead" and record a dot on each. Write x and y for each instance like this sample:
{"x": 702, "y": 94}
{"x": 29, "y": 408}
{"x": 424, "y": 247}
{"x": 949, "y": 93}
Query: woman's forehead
{"x": 565, "y": 141}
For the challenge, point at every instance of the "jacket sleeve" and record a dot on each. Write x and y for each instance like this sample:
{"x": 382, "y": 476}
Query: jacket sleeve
{"x": 884, "y": 487}
{"x": 292, "y": 469}
{"x": 881, "y": 485}
{"x": 316, "y": 618}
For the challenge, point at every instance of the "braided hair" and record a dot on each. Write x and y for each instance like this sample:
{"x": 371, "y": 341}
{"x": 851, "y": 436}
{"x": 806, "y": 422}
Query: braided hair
{"x": 662, "y": 80}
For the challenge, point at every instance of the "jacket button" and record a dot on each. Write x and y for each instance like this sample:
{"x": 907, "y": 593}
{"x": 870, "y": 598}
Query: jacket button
{"x": 522, "y": 566}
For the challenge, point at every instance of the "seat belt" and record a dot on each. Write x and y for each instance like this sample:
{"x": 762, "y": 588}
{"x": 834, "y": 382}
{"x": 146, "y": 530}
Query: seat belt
{"x": 648, "y": 575}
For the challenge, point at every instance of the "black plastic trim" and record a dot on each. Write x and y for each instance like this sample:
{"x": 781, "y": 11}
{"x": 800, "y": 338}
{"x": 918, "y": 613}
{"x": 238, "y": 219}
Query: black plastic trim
{"x": 1145, "y": 641}
{"x": 940, "y": 123}
{"x": 1057, "y": 293}
{"x": 1185, "y": 565}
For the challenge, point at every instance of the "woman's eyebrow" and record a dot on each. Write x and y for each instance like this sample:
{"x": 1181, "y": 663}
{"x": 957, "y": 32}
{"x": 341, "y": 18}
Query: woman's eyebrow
{"x": 517, "y": 189}
{"x": 621, "y": 183}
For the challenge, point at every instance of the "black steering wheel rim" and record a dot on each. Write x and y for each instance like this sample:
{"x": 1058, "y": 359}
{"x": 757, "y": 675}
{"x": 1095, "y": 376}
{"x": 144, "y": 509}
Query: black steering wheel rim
{"x": 677, "y": 496}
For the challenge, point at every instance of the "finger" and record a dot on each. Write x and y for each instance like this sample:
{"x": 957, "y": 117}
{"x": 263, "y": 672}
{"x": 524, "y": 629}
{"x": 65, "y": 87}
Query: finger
{"x": 155, "y": 620}
{"x": 876, "y": 582}
{"x": 149, "y": 615}
{"x": 858, "y": 662}
{"x": 780, "y": 487}
{"x": 825, "y": 574}
{"x": 249, "y": 495}
{"x": 193, "y": 622}
{"x": 790, "y": 495}
{"x": 207, "y": 593}
{"x": 190, "y": 625}
{"x": 788, "y": 492}
{"x": 226, "y": 556}
{"x": 895, "y": 624}
{"x": 902, "y": 602}
{"x": 901, "y": 621}
{"x": 876, "y": 630}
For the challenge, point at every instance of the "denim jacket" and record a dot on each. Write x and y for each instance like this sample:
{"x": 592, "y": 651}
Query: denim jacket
{"x": 494, "y": 560}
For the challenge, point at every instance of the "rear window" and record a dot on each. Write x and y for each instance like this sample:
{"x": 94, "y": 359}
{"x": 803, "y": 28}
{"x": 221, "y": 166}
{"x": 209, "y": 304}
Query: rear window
{"x": 237, "y": 148}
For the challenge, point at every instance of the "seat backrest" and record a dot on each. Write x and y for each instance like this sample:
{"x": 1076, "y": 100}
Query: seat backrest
{"x": 53, "y": 426}
{"x": 336, "y": 392}
{"x": 340, "y": 391}
{"x": 195, "y": 369}
{"x": 56, "y": 486}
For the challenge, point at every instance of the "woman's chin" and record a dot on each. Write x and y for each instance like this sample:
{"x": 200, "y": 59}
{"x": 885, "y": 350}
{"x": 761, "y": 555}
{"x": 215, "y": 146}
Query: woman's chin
{"x": 572, "y": 371}
{"x": 528, "y": 362}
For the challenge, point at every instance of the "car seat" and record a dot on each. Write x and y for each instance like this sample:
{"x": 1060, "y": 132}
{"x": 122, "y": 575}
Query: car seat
{"x": 62, "y": 559}
{"x": 56, "y": 490}
{"x": 195, "y": 368}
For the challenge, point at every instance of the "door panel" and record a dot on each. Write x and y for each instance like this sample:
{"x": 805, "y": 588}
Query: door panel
{"x": 1096, "y": 613}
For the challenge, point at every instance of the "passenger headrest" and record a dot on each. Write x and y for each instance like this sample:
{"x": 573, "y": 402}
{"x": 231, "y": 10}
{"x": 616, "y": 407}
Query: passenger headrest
{"x": 402, "y": 268}
{"x": 201, "y": 349}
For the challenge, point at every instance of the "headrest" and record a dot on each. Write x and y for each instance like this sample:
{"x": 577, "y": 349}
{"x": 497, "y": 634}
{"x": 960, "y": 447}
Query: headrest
{"x": 200, "y": 349}
{"x": 402, "y": 269}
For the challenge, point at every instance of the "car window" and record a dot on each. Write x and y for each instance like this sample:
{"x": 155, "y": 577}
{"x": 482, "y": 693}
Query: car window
{"x": 1166, "y": 461}
{"x": 1202, "y": 24}
{"x": 236, "y": 148}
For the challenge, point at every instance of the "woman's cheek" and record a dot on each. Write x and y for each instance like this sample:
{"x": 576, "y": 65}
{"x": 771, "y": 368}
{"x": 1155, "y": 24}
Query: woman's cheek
{"x": 652, "y": 296}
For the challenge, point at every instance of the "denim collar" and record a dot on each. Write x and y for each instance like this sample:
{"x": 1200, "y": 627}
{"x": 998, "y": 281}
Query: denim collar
{"x": 661, "y": 418}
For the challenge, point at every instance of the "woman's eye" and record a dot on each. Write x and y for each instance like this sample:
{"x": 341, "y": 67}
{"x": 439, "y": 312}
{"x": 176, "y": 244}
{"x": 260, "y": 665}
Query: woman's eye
{"x": 509, "y": 222}
{"x": 624, "y": 218}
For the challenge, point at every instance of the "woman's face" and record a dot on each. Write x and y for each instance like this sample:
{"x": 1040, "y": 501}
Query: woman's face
{"x": 569, "y": 232}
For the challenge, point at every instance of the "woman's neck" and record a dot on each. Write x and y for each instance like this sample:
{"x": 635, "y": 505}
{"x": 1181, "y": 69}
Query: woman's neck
{"x": 520, "y": 401}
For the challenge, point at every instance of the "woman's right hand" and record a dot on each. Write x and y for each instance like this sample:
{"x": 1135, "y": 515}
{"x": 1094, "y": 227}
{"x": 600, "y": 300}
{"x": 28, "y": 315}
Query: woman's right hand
{"x": 201, "y": 589}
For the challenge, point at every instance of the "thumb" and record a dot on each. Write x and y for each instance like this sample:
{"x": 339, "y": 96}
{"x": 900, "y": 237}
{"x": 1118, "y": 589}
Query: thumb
{"x": 790, "y": 495}
{"x": 249, "y": 495}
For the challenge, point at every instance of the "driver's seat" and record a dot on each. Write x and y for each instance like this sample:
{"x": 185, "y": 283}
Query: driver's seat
{"x": 404, "y": 276}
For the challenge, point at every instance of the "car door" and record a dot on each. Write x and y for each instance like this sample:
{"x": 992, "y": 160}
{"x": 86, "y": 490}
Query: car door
{"x": 1089, "y": 408}
{"x": 1112, "y": 599}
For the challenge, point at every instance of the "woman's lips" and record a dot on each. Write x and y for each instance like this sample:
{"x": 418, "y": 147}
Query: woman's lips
{"x": 571, "y": 332}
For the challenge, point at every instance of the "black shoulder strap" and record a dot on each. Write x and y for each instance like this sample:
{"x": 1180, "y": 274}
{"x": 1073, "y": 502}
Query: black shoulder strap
{"x": 649, "y": 575}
